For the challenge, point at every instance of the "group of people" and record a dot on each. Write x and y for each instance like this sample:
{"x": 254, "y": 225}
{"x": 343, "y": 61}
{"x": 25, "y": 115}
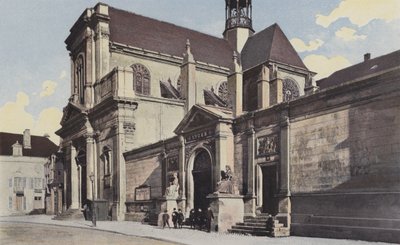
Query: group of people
{"x": 200, "y": 220}
{"x": 177, "y": 218}
{"x": 197, "y": 219}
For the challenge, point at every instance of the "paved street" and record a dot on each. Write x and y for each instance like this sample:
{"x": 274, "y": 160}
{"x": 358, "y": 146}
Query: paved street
{"x": 18, "y": 230}
{"x": 28, "y": 233}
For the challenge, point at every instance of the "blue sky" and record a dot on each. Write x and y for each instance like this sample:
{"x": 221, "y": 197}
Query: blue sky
{"x": 35, "y": 67}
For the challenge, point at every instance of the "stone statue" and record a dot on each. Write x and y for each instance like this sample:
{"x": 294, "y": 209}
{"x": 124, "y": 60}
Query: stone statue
{"x": 227, "y": 184}
{"x": 173, "y": 190}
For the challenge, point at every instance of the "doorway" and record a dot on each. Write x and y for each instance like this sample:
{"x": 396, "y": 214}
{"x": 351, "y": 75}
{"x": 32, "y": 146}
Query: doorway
{"x": 202, "y": 179}
{"x": 270, "y": 202}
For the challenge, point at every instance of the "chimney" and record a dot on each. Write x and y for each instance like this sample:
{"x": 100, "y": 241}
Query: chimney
{"x": 17, "y": 149}
{"x": 367, "y": 56}
{"x": 27, "y": 139}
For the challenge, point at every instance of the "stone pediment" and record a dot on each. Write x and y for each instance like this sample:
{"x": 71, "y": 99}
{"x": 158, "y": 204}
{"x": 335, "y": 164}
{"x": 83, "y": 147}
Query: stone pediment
{"x": 201, "y": 116}
{"x": 71, "y": 111}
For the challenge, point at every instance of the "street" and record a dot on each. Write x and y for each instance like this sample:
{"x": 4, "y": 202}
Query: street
{"x": 28, "y": 233}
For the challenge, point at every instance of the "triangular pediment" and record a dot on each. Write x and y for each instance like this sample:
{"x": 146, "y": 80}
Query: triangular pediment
{"x": 201, "y": 116}
{"x": 70, "y": 111}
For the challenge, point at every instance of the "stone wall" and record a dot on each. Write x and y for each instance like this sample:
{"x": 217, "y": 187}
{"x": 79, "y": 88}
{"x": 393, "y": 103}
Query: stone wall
{"x": 345, "y": 161}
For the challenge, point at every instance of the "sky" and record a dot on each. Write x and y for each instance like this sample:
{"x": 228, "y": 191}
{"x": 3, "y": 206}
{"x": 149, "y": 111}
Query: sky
{"x": 35, "y": 66}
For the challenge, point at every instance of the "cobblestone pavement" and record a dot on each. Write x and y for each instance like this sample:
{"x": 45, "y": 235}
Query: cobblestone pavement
{"x": 182, "y": 236}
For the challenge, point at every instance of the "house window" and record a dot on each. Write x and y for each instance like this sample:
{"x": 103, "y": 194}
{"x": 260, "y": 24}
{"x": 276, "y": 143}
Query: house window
{"x": 141, "y": 79}
{"x": 10, "y": 182}
{"x": 38, "y": 198}
{"x": 80, "y": 78}
{"x": 290, "y": 90}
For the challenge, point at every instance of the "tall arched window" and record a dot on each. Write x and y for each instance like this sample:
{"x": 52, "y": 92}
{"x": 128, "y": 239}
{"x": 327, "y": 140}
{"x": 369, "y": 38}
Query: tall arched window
{"x": 290, "y": 90}
{"x": 80, "y": 75}
{"x": 141, "y": 79}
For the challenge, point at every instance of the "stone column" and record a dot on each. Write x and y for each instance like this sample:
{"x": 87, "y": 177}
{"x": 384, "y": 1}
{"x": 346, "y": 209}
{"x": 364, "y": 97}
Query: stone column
{"x": 74, "y": 179}
{"x": 284, "y": 207}
{"x": 259, "y": 186}
{"x": 251, "y": 168}
{"x": 235, "y": 87}
{"x": 263, "y": 88}
{"x": 182, "y": 173}
{"x": 223, "y": 151}
{"x": 89, "y": 165}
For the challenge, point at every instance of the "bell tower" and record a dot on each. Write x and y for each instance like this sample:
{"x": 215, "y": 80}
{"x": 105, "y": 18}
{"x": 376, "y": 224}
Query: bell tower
{"x": 238, "y": 22}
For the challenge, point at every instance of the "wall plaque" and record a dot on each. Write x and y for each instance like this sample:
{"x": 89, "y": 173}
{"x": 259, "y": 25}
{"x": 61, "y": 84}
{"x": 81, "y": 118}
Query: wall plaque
{"x": 142, "y": 193}
{"x": 267, "y": 145}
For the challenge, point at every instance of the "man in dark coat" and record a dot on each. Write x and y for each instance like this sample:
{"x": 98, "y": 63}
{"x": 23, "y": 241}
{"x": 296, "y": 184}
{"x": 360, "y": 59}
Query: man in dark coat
{"x": 192, "y": 218}
{"x": 175, "y": 218}
{"x": 165, "y": 218}
{"x": 181, "y": 218}
{"x": 210, "y": 217}
{"x": 199, "y": 219}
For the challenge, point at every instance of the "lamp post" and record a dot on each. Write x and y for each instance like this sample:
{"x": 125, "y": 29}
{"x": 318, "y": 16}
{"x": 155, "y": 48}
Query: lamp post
{"x": 91, "y": 176}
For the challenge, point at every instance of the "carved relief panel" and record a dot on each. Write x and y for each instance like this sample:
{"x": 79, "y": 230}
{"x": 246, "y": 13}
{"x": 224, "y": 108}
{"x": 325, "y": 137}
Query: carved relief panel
{"x": 267, "y": 145}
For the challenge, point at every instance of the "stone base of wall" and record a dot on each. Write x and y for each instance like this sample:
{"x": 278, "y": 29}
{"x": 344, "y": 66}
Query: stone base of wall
{"x": 362, "y": 216}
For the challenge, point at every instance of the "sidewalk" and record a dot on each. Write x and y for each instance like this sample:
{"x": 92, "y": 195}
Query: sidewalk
{"x": 185, "y": 236}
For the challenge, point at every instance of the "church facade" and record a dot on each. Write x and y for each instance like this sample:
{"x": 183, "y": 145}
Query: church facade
{"x": 236, "y": 123}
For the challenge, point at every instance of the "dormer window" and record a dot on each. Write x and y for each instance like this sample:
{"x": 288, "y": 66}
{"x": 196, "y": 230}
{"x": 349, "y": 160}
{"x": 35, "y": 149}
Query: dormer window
{"x": 141, "y": 79}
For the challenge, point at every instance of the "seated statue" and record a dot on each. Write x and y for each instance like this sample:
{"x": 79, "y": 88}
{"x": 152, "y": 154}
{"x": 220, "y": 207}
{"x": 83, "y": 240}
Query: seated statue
{"x": 227, "y": 184}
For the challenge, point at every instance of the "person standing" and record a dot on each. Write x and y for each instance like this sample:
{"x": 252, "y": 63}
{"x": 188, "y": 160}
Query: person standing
{"x": 181, "y": 218}
{"x": 192, "y": 219}
{"x": 165, "y": 218}
{"x": 210, "y": 217}
{"x": 175, "y": 218}
{"x": 199, "y": 219}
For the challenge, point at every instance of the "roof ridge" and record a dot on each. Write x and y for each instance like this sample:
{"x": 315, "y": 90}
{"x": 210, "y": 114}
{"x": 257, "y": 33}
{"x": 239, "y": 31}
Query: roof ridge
{"x": 168, "y": 23}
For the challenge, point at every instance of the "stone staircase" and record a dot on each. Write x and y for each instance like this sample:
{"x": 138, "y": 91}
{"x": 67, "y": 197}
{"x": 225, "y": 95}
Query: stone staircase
{"x": 257, "y": 226}
{"x": 70, "y": 214}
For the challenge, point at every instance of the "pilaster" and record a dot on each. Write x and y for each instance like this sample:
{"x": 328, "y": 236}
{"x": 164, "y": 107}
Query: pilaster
{"x": 263, "y": 91}
{"x": 223, "y": 151}
{"x": 251, "y": 169}
{"x": 74, "y": 179}
{"x": 188, "y": 78}
{"x": 235, "y": 87}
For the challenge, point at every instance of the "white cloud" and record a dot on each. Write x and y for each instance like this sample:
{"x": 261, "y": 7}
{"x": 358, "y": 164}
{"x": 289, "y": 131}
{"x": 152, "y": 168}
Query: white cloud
{"x": 325, "y": 66}
{"x": 15, "y": 119}
{"x": 349, "y": 34}
{"x": 63, "y": 74}
{"x": 48, "y": 88}
{"x": 361, "y": 12}
{"x": 300, "y": 46}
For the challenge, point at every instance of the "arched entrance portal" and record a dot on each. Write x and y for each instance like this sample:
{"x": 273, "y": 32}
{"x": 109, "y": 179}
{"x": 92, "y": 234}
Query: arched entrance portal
{"x": 202, "y": 179}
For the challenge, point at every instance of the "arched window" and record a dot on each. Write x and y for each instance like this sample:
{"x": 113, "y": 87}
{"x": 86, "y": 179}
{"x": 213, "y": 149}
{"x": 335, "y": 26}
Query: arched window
{"x": 80, "y": 75}
{"x": 290, "y": 90}
{"x": 141, "y": 79}
{"x": 223, "y": 91}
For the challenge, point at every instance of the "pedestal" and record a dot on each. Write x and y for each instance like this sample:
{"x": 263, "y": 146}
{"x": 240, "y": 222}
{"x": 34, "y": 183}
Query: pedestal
{"x": 228, "y": 210}
{"x": 169, "y": 205}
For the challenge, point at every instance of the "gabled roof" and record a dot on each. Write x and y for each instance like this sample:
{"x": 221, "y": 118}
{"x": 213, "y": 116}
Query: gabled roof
{"x": 210, "y": 98}
{"x": 201, "y": 116}
{"x": 168, "y": 90}
{"x": 270, "y": 44}
{"x": 70, "y": 110}
{"x": 361, "y": 70}
{"x": 40, "y": 146}
{"x": 151, "y": 34}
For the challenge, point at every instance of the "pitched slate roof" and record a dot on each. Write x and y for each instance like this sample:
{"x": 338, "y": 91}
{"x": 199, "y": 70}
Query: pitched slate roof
{"x": 40, "y": 145}
{"x": 270, "y": 44}
{"x": 151, "y": 34}
{"x": 363, "y": 69}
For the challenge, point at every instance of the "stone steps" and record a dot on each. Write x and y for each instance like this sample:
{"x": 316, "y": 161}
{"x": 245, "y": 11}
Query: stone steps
{"x": 257, "y": 226}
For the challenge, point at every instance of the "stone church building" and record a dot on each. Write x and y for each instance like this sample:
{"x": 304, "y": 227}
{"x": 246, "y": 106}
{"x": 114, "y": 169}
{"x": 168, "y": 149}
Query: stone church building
{"x": 161, "y": 116}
